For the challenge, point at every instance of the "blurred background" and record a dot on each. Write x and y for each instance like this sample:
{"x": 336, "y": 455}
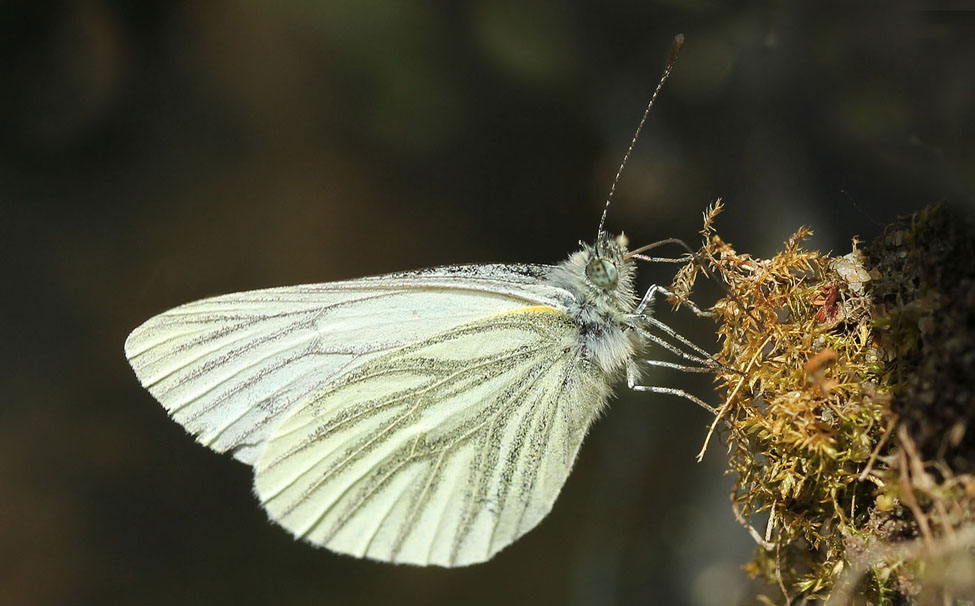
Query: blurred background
{"x": 153, "y": 153}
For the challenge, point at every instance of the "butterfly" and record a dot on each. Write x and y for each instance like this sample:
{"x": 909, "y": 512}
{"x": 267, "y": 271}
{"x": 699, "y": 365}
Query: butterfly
{"x": 427, "y": 417}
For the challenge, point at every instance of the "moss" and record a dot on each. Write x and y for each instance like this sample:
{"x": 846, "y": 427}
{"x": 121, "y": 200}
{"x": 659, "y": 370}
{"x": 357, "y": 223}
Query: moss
{"x": 848, "y": 409}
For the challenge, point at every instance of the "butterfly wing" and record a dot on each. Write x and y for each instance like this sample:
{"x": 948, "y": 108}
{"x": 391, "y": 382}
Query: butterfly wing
{"x": 440, "y": 452}
{"x": 228, "y": 368}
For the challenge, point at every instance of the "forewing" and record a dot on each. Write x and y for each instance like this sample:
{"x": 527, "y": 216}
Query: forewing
{"x": 228, "y": 368}
{"x": 442, "y": 452}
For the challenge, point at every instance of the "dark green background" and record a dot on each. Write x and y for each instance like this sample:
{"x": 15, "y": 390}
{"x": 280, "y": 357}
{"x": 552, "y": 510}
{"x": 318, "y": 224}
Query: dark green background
{"x": 152, "y": 153}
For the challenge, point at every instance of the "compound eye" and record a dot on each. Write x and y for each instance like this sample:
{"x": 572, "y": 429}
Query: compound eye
{"x": 602, "y": 273}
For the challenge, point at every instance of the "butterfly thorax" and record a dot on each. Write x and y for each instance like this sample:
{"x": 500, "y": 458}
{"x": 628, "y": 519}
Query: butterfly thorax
{"x": 600, "y": 279}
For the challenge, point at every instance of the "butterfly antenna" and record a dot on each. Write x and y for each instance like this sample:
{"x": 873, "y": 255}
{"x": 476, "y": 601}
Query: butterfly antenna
{"x": 674, "y": 51}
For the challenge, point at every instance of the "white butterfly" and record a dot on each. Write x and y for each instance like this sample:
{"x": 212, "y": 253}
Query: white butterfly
{"x": 427, "y": 417}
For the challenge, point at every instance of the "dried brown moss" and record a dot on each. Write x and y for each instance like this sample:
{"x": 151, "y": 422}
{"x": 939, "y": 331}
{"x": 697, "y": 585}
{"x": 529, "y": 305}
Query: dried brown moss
{"x": 849, "y": 416}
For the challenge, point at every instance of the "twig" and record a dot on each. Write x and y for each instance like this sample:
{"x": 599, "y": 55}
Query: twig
{"x": 778, "y": 576}
{"x": 909, "y": 499}
{"x": 771, "y": 523}
{"x": 727, "y": 405}
{"x": 876, "y": 451}
{"x": 767, "y": 545}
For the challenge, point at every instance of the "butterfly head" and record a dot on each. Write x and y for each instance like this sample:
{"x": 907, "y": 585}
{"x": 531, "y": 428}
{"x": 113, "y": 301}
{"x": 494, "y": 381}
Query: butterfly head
{"x": 600, "y": 276}
{"x": 603, "y": 274}
{"x": 606, "y": 262}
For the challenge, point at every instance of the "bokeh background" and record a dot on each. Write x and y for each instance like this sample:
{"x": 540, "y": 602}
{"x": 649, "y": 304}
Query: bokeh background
{"x": 152, "y": 153}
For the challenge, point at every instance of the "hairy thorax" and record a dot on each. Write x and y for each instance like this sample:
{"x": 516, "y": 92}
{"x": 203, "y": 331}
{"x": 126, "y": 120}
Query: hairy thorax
{"x": 602, "y": 313}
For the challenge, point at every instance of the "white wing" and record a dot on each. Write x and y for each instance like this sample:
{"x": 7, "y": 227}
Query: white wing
{"x": 442, "y": 452}
{"x": 229, "y": 367}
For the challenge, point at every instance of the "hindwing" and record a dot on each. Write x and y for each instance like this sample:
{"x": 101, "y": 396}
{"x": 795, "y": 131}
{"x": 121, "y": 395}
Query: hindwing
{"x": 440, "y": 452}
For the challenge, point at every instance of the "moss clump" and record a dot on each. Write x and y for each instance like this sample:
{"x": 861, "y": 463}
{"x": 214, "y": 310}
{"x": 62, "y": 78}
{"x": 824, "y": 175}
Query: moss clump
{"x": 849, "y": 411}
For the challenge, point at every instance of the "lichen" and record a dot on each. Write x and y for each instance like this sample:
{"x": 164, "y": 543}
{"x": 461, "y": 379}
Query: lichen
{"x": 849, "y": 411}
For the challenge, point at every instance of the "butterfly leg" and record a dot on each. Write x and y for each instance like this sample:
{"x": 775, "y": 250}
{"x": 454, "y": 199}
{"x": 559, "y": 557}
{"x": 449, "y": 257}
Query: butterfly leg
{"x": 631, "y": 378}
{"x": 654, "y": 290}
{"x": 680, "y": 367}
{"x": 674, "y": 349}
{"x": 658, "y": 243}
{"x": 705, "y": 359}
{"x": 641, "y": 312}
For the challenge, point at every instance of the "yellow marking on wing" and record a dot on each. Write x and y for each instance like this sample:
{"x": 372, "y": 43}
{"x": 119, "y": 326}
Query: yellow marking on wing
{"x": 532, "y": 309}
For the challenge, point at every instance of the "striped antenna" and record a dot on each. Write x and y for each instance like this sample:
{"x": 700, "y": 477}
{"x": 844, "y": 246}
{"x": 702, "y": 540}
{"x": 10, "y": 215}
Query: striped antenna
{"x": 674, "y": 51}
